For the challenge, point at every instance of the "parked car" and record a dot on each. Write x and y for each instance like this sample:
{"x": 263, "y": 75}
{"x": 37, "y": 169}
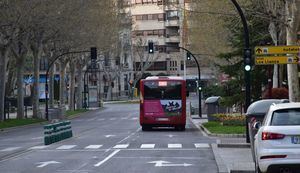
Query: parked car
{"x": 277, "y": 142}
{"x": 256, "y": 113}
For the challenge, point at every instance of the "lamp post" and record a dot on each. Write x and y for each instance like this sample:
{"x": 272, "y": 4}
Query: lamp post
{"x": 47, "y": 73}
{"x": 199, "y": 80}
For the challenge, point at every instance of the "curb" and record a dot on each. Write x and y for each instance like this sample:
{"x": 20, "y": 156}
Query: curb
{"x": 222, "y": 168}
{"x": 234, "y": 145}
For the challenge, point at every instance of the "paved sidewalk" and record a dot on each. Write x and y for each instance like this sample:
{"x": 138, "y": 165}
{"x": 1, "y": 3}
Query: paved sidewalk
{"x": 233, "y": 155}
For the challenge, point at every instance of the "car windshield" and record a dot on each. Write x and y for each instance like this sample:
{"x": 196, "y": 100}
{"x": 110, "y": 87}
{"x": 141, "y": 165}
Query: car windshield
{"x": 286, "y": 117}
{"x": 170, "y": 90}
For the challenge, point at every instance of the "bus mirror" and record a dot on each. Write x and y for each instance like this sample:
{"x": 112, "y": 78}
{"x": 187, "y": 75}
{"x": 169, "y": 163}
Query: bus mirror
{"x": 187, "y": 93}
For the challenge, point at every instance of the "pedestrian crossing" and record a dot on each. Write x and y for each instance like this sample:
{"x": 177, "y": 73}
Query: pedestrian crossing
{"x": 117, "y": 146}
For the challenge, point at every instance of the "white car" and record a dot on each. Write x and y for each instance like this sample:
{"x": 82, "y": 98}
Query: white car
{"x": 277, "y": 142}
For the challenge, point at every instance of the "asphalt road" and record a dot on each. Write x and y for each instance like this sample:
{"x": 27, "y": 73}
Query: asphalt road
{"x": 108, "y": 141}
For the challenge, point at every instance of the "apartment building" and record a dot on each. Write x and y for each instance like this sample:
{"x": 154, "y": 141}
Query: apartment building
{"x": 160, "y": 22}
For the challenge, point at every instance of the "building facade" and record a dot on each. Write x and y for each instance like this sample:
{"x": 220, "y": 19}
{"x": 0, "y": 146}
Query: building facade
{"x": 160, "y": 22}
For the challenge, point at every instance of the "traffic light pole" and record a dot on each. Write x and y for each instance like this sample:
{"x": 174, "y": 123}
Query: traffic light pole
{"x": 151, "y": 51}
{"x": 199, "y": 80}
{"x": 247, "y": 55}
{"x": 47, "y": 73}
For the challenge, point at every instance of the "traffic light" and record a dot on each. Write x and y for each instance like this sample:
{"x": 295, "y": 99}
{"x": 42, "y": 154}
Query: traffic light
{"x": 93, "y": 53}
{"x": 150, "y": 47}
{"x": 188, "y": 56}
{"x": 247, "y": 59}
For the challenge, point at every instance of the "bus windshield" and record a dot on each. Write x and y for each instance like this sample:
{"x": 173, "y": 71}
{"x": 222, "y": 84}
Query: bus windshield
{"x": 162, "y": 90}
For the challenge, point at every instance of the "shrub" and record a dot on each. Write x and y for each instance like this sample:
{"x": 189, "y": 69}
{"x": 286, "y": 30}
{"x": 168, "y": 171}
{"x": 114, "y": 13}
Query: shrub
{"x": 277, "y": 93}
{"x": 230, "y": 119}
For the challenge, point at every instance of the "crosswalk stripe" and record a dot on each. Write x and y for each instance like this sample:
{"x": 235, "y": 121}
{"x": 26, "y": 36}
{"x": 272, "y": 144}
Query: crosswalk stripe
{"x": 38, "y": 147}
{"x": 124, "y": 118}
{"x": 202, "y": 145}
{"x": 101, "y": 119}
{"x": 11, "y": 149}
{"x": 93, "y": 147}
{"x": 147, "y": 145}
{"x": 134, "y": 118}
{"x": 121, "y": 146}
{"x": 66, "y": 147}
{"x": 174, "y": 145}
{"x": 112, "y": 118}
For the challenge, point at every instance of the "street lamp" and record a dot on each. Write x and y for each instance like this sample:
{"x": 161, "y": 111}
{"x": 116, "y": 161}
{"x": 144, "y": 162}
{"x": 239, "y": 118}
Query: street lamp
{"x": 47, "y": 73}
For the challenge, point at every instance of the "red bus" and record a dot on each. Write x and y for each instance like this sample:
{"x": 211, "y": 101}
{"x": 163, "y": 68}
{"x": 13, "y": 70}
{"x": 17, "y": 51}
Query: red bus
{"x": 163, "y": 102}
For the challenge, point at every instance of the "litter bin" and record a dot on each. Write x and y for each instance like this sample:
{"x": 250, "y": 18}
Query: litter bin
{"x": 212, "y": 104}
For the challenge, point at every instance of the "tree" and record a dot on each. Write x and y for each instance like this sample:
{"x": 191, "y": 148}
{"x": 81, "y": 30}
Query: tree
{"x": 292, "y": 27}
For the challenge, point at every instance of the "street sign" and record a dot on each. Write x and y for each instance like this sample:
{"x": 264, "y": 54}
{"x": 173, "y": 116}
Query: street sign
{"x": 267, "y": 60}
{"x": 267, "y": 50}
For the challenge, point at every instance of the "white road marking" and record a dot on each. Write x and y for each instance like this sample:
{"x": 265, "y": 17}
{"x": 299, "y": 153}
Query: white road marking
{"x": 107, "y": 158}
{"x": 202, "y": 145}
{"x": 112, "y": 118}
{"x": 66, "y": 147}
{"x": 38, "y": 147}
{"x": 174, "y": 145}
{"x": 101, "y": 119}
{"x": 161, "y": 163}
{"x": 124, "y": 118}
{"x": 43, "y": 164}
{"x": 11, "y": 149}
{"x": 147, "y": 146}
{"x": 121, "y": 146}
{"x": 93, "y": 147}
{"x": 108, "y": 136}
{"x": 134, "y": 118}
{"x": 40, "y": 137}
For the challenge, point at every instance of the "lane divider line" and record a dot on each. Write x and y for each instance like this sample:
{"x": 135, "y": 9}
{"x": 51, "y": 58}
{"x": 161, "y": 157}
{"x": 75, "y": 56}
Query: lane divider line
{"x": 107, "y": 158}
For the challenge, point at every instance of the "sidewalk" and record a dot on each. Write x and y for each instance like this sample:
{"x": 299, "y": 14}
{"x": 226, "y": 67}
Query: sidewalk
{"x": 232, "y": 154}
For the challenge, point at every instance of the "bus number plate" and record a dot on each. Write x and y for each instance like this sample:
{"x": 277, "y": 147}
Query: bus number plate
{"x": 162, "y": 119}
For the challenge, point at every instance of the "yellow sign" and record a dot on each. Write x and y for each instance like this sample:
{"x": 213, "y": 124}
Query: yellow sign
{"x": 267, "y": 50}
{"x": 266, "y": 60}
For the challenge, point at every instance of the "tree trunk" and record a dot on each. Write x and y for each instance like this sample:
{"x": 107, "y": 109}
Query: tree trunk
{"x": 79, "y": 88}
{"x": 51, "y": 87}
{"x": 109, "y": 92}
{"x": 36, "y": 72}
{"x": 20, "y": 91}
{"x": 62, "y": 90}
{"x": 292, "y": 69}
{"x": 3, "y": 65}
{"x": 72, "y": 86}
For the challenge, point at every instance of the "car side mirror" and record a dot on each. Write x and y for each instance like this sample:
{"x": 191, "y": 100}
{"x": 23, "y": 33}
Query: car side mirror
{"x": 257, "y": 125}
{"x": 187, "y": 93}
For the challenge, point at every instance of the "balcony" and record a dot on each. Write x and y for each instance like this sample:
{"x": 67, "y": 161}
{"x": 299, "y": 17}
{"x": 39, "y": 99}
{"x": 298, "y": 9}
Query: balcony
{"x": 172, "y": 23}
{"x": 172, "y": 39}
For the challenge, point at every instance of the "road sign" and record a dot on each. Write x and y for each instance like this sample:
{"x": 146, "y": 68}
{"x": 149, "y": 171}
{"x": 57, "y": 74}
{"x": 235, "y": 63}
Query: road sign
{"x": 266, "y": 60}
{"x": 267, "y": 50}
